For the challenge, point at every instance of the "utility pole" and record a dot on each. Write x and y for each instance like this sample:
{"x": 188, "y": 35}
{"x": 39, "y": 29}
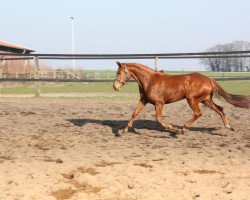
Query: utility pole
{"x": 73, "y": 42}
{"x": 156, "y": 63}
{"x": 37, "y": 76}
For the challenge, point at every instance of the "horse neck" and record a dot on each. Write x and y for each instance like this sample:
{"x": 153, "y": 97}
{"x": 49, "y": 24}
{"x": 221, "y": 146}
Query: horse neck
{"x": 141, "y": 74}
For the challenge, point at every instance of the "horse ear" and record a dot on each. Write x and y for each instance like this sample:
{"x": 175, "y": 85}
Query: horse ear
{"x": 119, "y": 64}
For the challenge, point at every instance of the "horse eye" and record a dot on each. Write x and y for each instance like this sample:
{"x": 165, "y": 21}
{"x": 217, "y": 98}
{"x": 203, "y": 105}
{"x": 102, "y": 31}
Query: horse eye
{"x": 118, "y": 72}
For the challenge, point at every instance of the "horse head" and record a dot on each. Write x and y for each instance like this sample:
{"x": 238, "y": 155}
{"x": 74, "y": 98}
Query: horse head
{"x": 122, "y": 76}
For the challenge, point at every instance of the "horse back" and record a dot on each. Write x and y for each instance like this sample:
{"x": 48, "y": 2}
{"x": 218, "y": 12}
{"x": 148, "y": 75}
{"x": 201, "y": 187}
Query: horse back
{"x": 171, "y": 88}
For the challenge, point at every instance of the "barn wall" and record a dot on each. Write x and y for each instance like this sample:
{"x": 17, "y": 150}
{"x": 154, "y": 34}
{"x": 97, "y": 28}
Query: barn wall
{"x": 15, "y": 66}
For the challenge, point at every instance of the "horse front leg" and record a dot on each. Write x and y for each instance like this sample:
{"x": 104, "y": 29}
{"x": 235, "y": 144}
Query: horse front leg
{"x": 138, "y": 109}
{"x": 158, "y": 110}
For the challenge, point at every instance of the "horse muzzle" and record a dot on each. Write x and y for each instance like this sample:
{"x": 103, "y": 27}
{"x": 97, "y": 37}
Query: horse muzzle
{"x": 115, "y": 88}
{"x": 117, "y": 85}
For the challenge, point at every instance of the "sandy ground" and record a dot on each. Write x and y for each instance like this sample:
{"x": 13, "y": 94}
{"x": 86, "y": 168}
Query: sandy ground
{"x": 65, "y": 148}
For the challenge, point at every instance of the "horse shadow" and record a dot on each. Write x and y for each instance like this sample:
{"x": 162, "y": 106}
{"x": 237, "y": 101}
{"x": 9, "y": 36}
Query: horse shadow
{"x": 118, "y": 125}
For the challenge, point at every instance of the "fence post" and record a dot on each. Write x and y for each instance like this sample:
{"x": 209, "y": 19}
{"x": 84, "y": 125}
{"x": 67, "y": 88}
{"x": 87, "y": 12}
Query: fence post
{"x": 37, "y": 71}
{"x": 67, "y": 74}
{"x": 156, "y": 63}
{"x": 1, "y": 76}
{"x": 54, "y": 74}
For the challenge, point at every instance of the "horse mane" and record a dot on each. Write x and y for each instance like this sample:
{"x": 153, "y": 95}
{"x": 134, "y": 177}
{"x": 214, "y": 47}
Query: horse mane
{"x": 140, "y": 65}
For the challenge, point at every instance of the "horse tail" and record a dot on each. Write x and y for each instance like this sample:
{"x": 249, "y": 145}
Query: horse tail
{"x": 240, "y": 101}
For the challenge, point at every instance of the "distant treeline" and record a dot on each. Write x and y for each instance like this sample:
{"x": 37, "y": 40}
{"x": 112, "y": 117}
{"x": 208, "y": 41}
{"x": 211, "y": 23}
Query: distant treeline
{"x": 238, "y": 64}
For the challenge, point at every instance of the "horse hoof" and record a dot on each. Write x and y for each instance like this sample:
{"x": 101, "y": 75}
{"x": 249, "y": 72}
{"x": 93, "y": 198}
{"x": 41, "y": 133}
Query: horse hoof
{"x": 124, "y": 131}
{"x": 230, "y": 127}
{"x": 178, "y": 131}
{"x": 183, "y": 131}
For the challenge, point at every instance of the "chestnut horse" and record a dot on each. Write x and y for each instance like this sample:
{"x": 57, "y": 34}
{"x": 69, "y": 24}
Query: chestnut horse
{"x": 159, "y": 88}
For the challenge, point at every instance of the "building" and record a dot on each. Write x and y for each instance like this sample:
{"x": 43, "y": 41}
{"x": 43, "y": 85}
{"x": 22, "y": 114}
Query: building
{"x": 10, "y": 67}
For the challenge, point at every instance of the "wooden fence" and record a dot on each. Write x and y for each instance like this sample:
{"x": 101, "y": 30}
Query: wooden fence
{"x": 66, "y": 76}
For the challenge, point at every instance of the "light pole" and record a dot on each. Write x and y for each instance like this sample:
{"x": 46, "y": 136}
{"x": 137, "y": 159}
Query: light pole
{"x": 73, "y": 42}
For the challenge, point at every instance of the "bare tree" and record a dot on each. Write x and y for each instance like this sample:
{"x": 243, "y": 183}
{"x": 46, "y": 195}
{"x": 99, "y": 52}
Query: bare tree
{"x": 228, "y": 64}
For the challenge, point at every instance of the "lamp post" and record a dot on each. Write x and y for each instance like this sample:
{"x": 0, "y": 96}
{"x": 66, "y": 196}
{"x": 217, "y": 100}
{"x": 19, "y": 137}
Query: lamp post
{"x": 73, "y": 42}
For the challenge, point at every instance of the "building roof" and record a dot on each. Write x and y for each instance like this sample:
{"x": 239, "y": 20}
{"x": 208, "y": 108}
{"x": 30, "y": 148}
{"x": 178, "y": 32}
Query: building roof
{"x": 14, "y": 46}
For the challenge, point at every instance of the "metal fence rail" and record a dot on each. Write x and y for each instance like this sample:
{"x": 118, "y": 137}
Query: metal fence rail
{"x": 227, "y": 54}
{"x": 133, "y": 55}
{"x": 98, "y": 80}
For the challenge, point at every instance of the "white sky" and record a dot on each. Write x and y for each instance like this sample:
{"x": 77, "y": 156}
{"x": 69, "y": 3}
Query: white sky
{"x": 125, "y": 26}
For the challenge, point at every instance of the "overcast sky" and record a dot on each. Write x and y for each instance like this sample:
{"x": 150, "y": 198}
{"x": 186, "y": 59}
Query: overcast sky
{"x": 125, "y": 26}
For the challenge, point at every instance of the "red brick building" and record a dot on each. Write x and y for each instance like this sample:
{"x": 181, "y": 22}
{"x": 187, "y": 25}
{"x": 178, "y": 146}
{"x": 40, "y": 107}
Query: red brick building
{"x": 14, "y": 66}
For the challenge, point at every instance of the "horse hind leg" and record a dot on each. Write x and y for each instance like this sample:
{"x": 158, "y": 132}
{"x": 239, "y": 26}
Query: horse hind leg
{"x": 209, "y": 103}
{"x": 194, "y": 105}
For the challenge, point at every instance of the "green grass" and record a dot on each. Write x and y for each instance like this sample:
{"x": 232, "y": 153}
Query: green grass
{"x": 235, "y": 87}
{"x": 68, "y": 88}
{"x": 226, "y": 74}
{"x": 19, "y": 89}
{"x": 110, "y": 74}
